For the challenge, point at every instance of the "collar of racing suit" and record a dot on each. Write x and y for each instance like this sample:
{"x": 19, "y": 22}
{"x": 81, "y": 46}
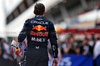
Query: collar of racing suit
{"x": 39, "y": 16}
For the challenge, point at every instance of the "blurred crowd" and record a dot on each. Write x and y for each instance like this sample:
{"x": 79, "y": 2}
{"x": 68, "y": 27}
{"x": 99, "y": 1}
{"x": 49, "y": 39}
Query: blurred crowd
{"x": 69, "y": 46}
{"x": 85, "y": 47}
{"x": 72, "y": 46}
{"x": 6, "y": 59}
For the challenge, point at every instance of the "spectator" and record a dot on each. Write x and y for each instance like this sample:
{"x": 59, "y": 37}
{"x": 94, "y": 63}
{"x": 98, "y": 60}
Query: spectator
{"x": 6, "y": 53}
{"x": 85, "y": 48}
{"x": 91, "y": 43}
{"x": 73, "y": 46}
{"x": 65, "y": 46}
{"x": 97, "y": 52}
{"x": 1, "y": 52}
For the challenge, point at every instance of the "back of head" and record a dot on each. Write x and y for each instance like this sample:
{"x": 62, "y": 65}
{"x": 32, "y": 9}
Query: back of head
{"x": 39, "y": 9}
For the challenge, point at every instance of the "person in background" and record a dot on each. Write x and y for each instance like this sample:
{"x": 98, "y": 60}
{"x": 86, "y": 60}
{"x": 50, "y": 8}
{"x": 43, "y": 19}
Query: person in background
{"x": 6, "y": 54}
{"x": 78, "y": 47}
{"x": 72, "y": 46}
{"x": 65, "y": 46}
{"x": 1, "y": 52}
{"x": 91, "y": 44}
{"x": 85, "y": 48}
{"x": 97, "y": 52}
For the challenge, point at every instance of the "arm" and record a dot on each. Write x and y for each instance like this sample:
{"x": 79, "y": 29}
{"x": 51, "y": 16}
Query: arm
{"x": 53, "y": 40}
{"x": 23, "y": 32}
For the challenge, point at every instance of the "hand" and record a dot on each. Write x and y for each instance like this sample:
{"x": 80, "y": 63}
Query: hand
{"x": 55, "y": 62}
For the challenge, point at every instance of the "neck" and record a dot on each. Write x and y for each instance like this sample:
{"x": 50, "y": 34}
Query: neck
{"x": 41, "y": 15}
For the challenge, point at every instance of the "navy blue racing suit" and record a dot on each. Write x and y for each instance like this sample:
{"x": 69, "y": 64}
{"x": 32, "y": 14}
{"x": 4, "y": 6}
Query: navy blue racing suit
{"x": 38, "y": 30}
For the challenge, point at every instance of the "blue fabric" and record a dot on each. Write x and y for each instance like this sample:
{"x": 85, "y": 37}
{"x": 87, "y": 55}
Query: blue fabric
{"x": 75, "y": 60}
{"x": 98, "y": 61}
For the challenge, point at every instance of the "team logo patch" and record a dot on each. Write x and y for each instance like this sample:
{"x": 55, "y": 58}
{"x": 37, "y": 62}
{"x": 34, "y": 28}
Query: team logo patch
{"x": 39, "y": 33}
{"x": 39, "y": 28}
{"x": 38, "y": 39}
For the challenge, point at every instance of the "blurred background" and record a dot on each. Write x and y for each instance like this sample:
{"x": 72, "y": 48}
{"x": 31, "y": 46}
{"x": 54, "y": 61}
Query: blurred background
{"x": 77, "y": 24}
